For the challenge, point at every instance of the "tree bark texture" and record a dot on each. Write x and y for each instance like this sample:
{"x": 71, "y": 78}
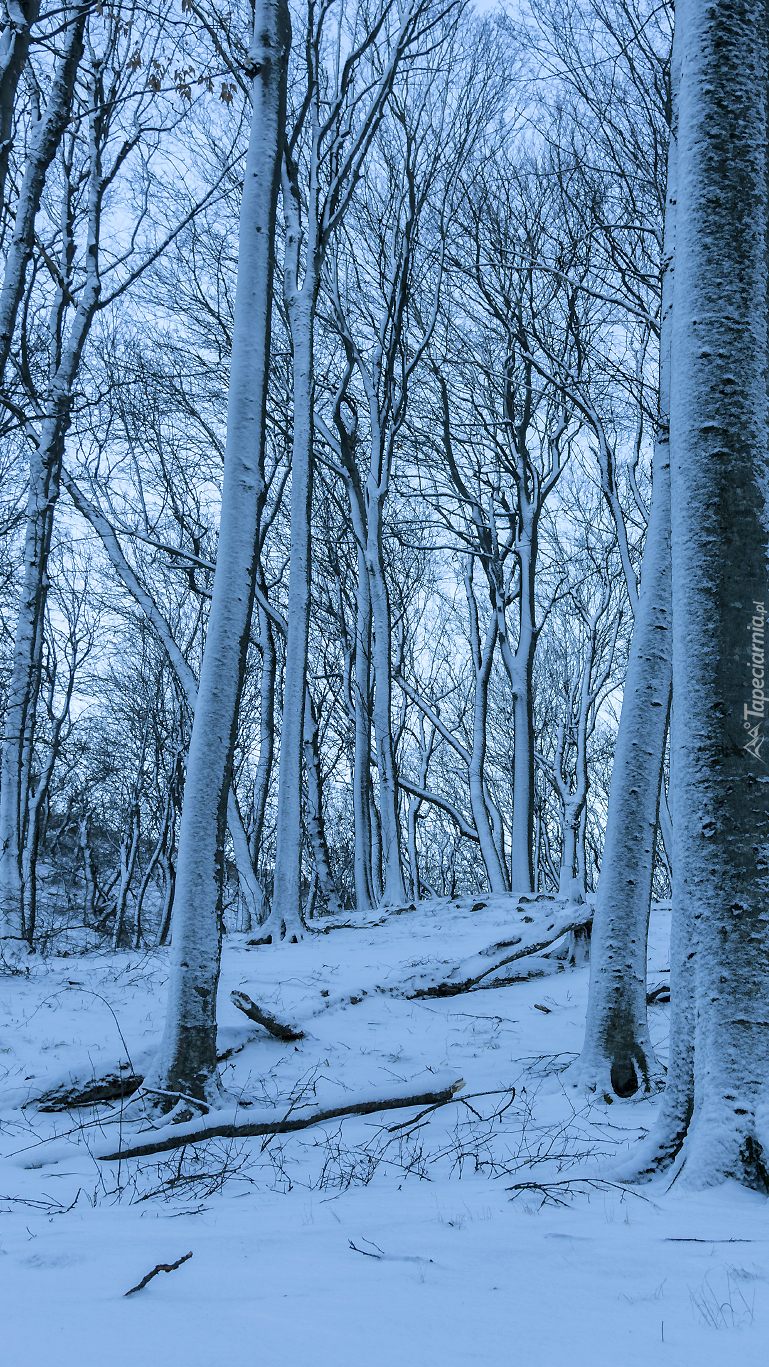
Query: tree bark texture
{"x": 720, "y": 541}
{"x": 186, "y": 1062}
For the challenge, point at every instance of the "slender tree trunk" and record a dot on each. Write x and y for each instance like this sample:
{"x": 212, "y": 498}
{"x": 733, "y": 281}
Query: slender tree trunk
{"x": 45, "y": 141}
{"x": 84, "y": 844}
{"x": 266, "y": 733}
{"x": 14, "y": 50}
{"x": 617, "y": 1055}
{"x": 362, "y": 756}
{"x": 129, "y": 849}
{"x": 520, "y": 669}
{"x": 414, "y": 805}
{"x": 720, "y": 541}
{"x": 315, "y": 823}
{"x": 169, "y": 887}
{"x": 482, "y": 661}
{"x": 285, "y": 918}
{"x": 45, "y": 464}
{"x": 393, "y": 892}
{"x": 186, "y": 1062}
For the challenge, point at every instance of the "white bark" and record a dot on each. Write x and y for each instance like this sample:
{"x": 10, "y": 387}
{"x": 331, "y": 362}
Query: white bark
{"x": 720, "y": 540}
{"x": 186, "y": 1061}
{"x": 44, "y": 144}
{"x": 14, "y": 50}
{"x": 482, "y": 656}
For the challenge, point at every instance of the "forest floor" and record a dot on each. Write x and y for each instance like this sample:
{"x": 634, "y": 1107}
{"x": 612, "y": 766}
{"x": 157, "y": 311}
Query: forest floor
{"x": 373, "y": 1240}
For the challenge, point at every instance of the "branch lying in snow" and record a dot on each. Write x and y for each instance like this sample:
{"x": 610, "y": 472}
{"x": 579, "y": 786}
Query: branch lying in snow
{"x": 111, "y": 1087}
{"x": 536, "y": 933}
{"x": 161, "y": 1267}
{"x": 255, "y": 1013}
{"x": 115, "y": 1086}
{"x": 183, "y": 1134}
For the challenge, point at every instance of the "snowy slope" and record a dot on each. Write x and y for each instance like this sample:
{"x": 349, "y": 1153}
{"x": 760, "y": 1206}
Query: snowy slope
{"x": 573, "y": 1269}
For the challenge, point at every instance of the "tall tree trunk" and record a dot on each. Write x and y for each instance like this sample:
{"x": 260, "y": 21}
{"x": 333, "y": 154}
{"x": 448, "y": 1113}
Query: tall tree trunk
{"x": 285, "y": 919}
{"x": 361, "y": 780}
{"x": 315, "y": 823}
{"x": 519, "y": 664}
{"x": 266, "y": 733}
{"x": 393, "y": 892}
{"x": 122, "y": 938}
{"x": 44, "y": 144}
{"x": 186, "y": 1062}
{"x": 617, "y": 1055}
{"x": 14, "y": 50}
{"x": 720, "y": 541}
{"x": 482, "y": 661}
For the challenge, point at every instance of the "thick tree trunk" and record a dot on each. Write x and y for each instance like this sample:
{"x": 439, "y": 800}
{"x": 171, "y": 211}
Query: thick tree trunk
{"x": 186, "y": 1062}
{"x": 720, "y": 541}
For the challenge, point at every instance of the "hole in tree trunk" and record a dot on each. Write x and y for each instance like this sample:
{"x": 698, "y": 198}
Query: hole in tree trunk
{"x": 624, "y": 1080}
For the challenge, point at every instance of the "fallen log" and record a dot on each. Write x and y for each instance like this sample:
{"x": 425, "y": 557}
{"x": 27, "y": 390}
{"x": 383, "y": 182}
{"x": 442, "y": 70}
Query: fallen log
{"x": 255, "y": 1013}
{"x": 536, "y": 934}
{"x": 184, "y": 1135}
{"x": 115, "y": 1086}
{"x": 111, "y": 1087}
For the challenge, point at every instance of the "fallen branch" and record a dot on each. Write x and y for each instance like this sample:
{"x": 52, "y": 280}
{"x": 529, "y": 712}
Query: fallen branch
{"x": 251, "y": 1129}
{"x": 263, "y": 1018}
{"x": 161, "y": 1267}
{"x": 112, "y": 1087}
{"x": 535, "y": 936}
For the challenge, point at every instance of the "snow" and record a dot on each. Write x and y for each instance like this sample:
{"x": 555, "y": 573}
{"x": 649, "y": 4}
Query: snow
{"x": 471, "y": 1272}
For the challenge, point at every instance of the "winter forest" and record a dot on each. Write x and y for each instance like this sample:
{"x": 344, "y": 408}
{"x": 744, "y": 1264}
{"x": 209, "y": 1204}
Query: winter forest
{"x": 384, "y": 817}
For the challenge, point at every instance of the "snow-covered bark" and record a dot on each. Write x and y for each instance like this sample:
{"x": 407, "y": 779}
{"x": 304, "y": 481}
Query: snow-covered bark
{"x": 44, "y": 143}
{"x": 186, "y": 1061}
{"x": 617, "y": 1055}
{"x": 482, "y": 656}
{"x": 361, "y": 778}
{"x": 285, "y": 918}
{"x": 337, "y": 123}
{"x": 14, "y": 49}
{"x": 519, "y": 663}
{"x": 266, "y": 733}
{"x": 44, "y": 478}
{"x": 122, "y": 936}
{"x": 315, "y": 822}
{"x": 720, "y": 540}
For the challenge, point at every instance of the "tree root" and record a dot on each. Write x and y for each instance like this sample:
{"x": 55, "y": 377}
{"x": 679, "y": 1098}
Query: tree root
{"x": 286, "y": 1126}
{"x": 263, "y": 1018}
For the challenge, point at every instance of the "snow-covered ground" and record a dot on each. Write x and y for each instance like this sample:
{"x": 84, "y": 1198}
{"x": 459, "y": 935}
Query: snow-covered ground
{"x": 373, "y": 1240}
